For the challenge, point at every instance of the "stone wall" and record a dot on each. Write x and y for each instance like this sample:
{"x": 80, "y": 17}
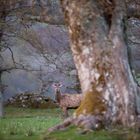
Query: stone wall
{"x": 133, "y": 34}
{"x": 38, "y": 53}
{"x": 37, "y": 70}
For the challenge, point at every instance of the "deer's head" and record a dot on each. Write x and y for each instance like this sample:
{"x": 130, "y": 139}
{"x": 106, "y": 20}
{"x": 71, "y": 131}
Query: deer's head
{"x": 57, "y": 87}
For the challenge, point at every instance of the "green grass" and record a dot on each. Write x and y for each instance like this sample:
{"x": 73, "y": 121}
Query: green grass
{"x": 32, "y": 124}
{"x": 20, "y": 124}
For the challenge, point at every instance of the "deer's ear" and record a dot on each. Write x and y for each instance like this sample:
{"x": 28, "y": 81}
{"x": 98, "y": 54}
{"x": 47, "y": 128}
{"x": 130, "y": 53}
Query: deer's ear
{"x": 60, "y": 85}
{"x": 54, "y": 85}
{"x": 57, "y": 85}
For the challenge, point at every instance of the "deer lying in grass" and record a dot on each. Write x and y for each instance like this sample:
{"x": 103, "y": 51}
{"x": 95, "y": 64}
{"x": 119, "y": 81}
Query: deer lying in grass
{"x": 66, "y": 101}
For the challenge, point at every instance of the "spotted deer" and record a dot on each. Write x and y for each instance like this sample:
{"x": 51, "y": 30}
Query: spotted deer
{"x": 65, "y": 100}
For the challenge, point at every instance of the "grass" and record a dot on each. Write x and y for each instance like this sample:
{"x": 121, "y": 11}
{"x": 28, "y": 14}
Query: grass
{"x": 20, "y": 124}
{"x": 32, "y": 124}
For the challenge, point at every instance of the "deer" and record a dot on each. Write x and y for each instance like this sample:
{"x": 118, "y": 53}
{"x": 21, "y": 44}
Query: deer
{"x": 66, "y": 101}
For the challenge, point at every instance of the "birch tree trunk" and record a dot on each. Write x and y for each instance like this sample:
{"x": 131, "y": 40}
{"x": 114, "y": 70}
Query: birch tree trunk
{"x": 100, "y": 53}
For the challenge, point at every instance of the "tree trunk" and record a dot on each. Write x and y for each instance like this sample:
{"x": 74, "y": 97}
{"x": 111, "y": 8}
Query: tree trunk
{"x": 100, "y": 53}
{"x": 1, "y": 98}
{"x": 1, "y": 105}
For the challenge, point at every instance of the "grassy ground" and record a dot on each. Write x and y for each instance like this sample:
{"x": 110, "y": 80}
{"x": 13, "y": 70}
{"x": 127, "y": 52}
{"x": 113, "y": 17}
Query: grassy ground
{"x": 32, "y": 124}
{"x": 27, "y": 124}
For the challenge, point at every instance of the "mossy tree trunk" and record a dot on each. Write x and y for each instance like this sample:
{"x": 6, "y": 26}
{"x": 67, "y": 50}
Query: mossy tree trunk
{"x": 100, "y": 53}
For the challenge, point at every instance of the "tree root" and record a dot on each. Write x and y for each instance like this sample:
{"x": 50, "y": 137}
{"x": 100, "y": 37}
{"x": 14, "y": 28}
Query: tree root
{"x": 67, "y": 122}
{"x": 86, "y": 122}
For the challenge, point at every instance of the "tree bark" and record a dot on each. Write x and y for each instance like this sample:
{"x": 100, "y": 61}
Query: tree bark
{"x": 1, "y": 105}
{"x": 1, "y": 99}
{"x": 100, "y": 53}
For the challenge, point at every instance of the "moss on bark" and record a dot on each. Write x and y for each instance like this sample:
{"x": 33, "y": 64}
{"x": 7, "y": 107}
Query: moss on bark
{"x": 92, "y": 104}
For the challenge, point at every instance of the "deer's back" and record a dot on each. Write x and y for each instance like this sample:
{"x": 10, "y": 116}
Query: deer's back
{"x": 70, "y": 100}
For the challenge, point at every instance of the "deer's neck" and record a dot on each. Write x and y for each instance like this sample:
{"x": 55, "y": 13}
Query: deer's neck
{"x": 58, "y": 96}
